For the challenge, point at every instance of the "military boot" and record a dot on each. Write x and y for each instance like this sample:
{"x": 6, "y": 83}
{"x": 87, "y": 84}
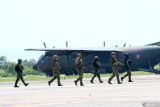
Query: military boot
{"x": 60, "y": 84}
{"x": 26, "y": 84}
{"x": 49, "y": 83}
{"x": 81, "y": 84}
{"x": 100, "y": 81}
{"x": 75, "y": 82}
{"x": 130, "y": 81}
{"x": 16, "y": 86}
{"x": 122, "y": 78}
{"x": 119, "y": 82}
{"x": 109, "y": 81}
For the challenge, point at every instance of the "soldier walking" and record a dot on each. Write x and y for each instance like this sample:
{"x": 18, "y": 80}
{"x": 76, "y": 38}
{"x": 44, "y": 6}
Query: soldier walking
{"x": 115, "y": 68}
{"x": 80, "y": 69}
{"x": 96, "y": 65}
{"x": 19, "y": 69}
{"x": 127, "y": 67}
{"x": 56, "y": 70}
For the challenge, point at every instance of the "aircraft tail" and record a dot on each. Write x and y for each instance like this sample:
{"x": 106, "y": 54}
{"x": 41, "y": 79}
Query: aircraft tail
{"x": 155, "y": 43}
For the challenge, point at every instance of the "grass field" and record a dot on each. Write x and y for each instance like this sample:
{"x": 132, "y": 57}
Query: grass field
{"x": 86, "y": 75}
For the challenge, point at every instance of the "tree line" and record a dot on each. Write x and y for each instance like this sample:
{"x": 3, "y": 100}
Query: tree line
{"x": 7, "y": 68}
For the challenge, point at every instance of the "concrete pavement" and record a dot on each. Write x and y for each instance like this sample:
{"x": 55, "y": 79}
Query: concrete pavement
{"x": 143, "y": 92}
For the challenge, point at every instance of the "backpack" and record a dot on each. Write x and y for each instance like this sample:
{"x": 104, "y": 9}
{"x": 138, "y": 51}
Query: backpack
{"x": 94, "y": 64}
{"x": 16, "y": 68}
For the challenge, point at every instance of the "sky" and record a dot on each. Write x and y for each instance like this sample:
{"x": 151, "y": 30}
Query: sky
{"x": 83, "y": 23}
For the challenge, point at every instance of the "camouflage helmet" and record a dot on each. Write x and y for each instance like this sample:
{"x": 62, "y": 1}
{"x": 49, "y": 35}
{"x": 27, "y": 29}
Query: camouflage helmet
{"x": 126, "y": 55}
{"x": 78, "y": 54}
{"x": 55, "y": 56}
{"x": 113, "y": 53}
{"x": 96, "y": 57}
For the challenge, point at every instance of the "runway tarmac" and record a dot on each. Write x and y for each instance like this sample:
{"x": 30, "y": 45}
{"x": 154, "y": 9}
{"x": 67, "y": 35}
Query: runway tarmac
{"x": 143, "y": 92}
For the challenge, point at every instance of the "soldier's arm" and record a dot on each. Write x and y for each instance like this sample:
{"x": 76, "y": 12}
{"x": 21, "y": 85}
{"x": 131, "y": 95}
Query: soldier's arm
{"x": 22, "y": 67}
{"x": 119, "y": 63}
{"x": 84, "y": 69}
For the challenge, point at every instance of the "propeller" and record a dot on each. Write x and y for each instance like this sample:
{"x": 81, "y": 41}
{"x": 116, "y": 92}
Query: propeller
{"x": 44, "y": 44}
{"x": 66, "y": 44}
{"x": 104, "y": 44}
{"x": 46, "y": 54}
{"x": 124, "y": 45}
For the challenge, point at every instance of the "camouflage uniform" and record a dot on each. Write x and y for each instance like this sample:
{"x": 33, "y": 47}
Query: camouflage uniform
{"x": 127, "y": 67}
{"x": 80, "y": 69}
{"x": 96, "y": 65}
{"x": 115, "y": 68}
{"x": 56, "y": 71}
{"x": 19, "y": 69}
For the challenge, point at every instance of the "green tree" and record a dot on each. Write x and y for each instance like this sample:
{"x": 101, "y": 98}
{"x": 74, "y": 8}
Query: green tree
{"x": 9, "y": 68}
{"x": 3, "y": 60}
{"x": 28, "y": 65}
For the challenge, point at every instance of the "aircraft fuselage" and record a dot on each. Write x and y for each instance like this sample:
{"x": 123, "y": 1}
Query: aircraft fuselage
{"x": 142, "y": 57}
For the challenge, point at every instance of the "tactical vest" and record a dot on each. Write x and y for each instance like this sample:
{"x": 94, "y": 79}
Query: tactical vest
{"x": 79, "y": 64}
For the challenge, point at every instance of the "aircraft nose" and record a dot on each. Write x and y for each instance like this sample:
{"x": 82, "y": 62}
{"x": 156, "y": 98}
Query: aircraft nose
{"x": 35, "y": 67}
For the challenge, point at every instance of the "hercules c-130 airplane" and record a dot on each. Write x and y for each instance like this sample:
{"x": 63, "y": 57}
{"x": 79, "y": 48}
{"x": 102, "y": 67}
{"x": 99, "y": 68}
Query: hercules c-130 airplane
{"x": 143, "y": 58}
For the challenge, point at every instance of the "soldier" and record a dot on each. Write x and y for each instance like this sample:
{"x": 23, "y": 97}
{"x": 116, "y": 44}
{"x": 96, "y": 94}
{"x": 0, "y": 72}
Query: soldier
{"x": 80, "y": 69}
{"x": 127, "y": 67}
{"x": 19, "y": 69}
{"x": 56, "y": 70}
{"x": 96, "y": 65}
{"x": 115, "y": 68}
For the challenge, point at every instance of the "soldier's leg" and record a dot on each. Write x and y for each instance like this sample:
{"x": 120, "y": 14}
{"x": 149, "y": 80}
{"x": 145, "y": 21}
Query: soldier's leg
{"x": 17, "y": 80}
{"x": 49, "y": 82}
{"x": 93, "y": 76}
{"x": 129, "y": 76}
{"x": 110, "y": 79}
{"x": 81, "y": 78}
{"x": 78, "y": 79}
{"x": 113, "y": 74}
{"x": 21, "y": 77}
{"x": 58, "y": 80}
{"x": 125, "y": 75}
{"x": 81, "y": 81}
{"x": 99, "y": 77}
{"x": 24, "y": 81}
{"x": 117, "y": 76}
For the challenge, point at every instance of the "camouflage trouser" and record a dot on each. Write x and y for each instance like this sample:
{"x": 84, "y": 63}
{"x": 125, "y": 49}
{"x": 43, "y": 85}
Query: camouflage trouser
{"x": 56, "y": 76}
{"x": 115, "y": 73}
{"x": 80, "y": 78}
{"x": 128, "y": 70}
{"x": 19, "y": 76}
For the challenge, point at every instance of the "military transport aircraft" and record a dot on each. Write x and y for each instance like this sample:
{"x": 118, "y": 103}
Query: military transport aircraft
{"x": 143, "y": 58}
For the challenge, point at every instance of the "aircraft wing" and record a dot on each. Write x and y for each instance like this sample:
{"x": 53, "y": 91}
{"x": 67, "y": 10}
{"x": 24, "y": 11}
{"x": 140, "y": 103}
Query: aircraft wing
{"x": 76, "y": 49}
{"x": 156, "y": 43}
